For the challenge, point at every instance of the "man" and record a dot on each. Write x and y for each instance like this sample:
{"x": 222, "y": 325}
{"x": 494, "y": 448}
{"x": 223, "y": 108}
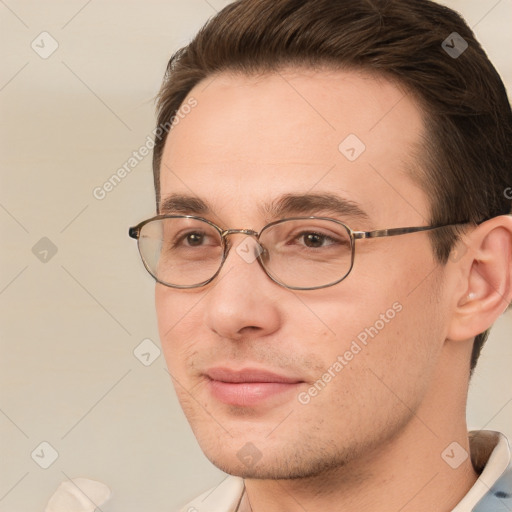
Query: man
{"x": 321, "y": 353}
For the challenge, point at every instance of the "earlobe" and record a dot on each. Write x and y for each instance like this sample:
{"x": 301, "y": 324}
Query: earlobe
{"x": 487, "y": 273}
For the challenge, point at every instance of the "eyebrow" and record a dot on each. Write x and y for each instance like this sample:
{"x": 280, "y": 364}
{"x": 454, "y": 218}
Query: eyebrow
{"x": 283, "y": 206}
{"x": 179, "y": 203}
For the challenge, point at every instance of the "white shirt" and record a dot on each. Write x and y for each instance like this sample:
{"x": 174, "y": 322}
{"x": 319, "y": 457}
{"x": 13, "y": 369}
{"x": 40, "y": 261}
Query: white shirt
{"x": 492, "y": 492}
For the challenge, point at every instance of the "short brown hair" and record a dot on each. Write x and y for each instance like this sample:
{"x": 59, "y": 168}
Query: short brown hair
{"x": 466, "y": 162}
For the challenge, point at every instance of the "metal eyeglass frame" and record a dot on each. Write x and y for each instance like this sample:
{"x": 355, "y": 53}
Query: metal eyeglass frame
{"x": 134, "y": 232}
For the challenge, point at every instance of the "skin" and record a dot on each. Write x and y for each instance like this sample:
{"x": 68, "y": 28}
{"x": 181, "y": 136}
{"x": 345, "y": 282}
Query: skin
{"x": 373, "y": 437}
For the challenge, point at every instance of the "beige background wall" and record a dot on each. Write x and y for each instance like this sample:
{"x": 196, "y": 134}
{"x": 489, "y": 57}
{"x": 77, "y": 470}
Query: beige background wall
{"x": 70, "y": 321}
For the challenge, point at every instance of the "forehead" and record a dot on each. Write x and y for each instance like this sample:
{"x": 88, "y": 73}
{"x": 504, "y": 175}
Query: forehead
{"x": 252, "y": 138}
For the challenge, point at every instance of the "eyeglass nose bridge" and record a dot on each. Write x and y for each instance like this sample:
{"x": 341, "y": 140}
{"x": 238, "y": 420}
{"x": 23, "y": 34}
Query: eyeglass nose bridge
{"x": 249, "y": 232}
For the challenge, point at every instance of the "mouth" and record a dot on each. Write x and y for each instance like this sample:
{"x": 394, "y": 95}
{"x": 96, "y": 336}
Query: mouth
{"x": 248, "y": 387}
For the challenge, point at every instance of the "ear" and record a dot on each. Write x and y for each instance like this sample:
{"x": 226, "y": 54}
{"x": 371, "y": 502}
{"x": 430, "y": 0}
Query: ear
{"x": 484, "y": 279}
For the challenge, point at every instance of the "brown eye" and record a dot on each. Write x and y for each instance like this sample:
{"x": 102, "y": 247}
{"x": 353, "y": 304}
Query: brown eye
{"x": 314, "y": 239}
{"x": 194, "y": 239}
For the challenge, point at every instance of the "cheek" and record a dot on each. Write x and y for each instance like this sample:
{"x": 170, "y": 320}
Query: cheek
{"x": 177, "y": 326}
{"x": 381, "y": 358}
{"x": 384, "y": 317}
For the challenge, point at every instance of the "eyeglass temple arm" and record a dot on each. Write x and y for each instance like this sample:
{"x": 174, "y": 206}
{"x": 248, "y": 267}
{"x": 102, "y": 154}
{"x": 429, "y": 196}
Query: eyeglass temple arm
{"x": 399, "y": 231}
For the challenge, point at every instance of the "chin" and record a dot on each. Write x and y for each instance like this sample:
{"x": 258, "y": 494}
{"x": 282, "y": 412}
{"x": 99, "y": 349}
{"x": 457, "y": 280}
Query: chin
{"x": 273, "y": 462}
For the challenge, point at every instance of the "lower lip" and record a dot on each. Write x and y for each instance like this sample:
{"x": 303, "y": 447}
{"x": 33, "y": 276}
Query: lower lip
{"x": 246, "y": 394}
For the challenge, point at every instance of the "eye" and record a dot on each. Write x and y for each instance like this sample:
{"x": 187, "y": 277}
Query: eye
{"x": 313, "y": 239}
{"x": 307, "y": 237}
{"x": 194, "y": 239}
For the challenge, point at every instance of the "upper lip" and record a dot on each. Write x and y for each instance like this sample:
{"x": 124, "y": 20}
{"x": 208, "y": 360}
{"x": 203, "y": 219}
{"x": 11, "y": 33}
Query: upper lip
{"x": 248, "y": 375}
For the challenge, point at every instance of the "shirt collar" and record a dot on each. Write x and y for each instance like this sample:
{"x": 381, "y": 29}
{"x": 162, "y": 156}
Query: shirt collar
{"x": 492, "y": 459}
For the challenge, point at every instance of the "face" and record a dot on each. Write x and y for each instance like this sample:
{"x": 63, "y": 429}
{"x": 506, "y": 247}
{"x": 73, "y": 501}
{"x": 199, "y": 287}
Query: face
{"x": 280, "y": 383}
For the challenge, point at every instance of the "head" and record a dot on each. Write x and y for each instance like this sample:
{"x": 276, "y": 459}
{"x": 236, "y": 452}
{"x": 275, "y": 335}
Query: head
{"x": 276, "y": 89}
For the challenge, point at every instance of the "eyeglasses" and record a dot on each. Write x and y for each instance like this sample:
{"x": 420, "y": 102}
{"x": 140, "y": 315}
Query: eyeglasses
{"x": 300, "y": 253}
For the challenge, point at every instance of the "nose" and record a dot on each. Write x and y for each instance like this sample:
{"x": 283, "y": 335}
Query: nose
{"x": 242, "y": 301}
